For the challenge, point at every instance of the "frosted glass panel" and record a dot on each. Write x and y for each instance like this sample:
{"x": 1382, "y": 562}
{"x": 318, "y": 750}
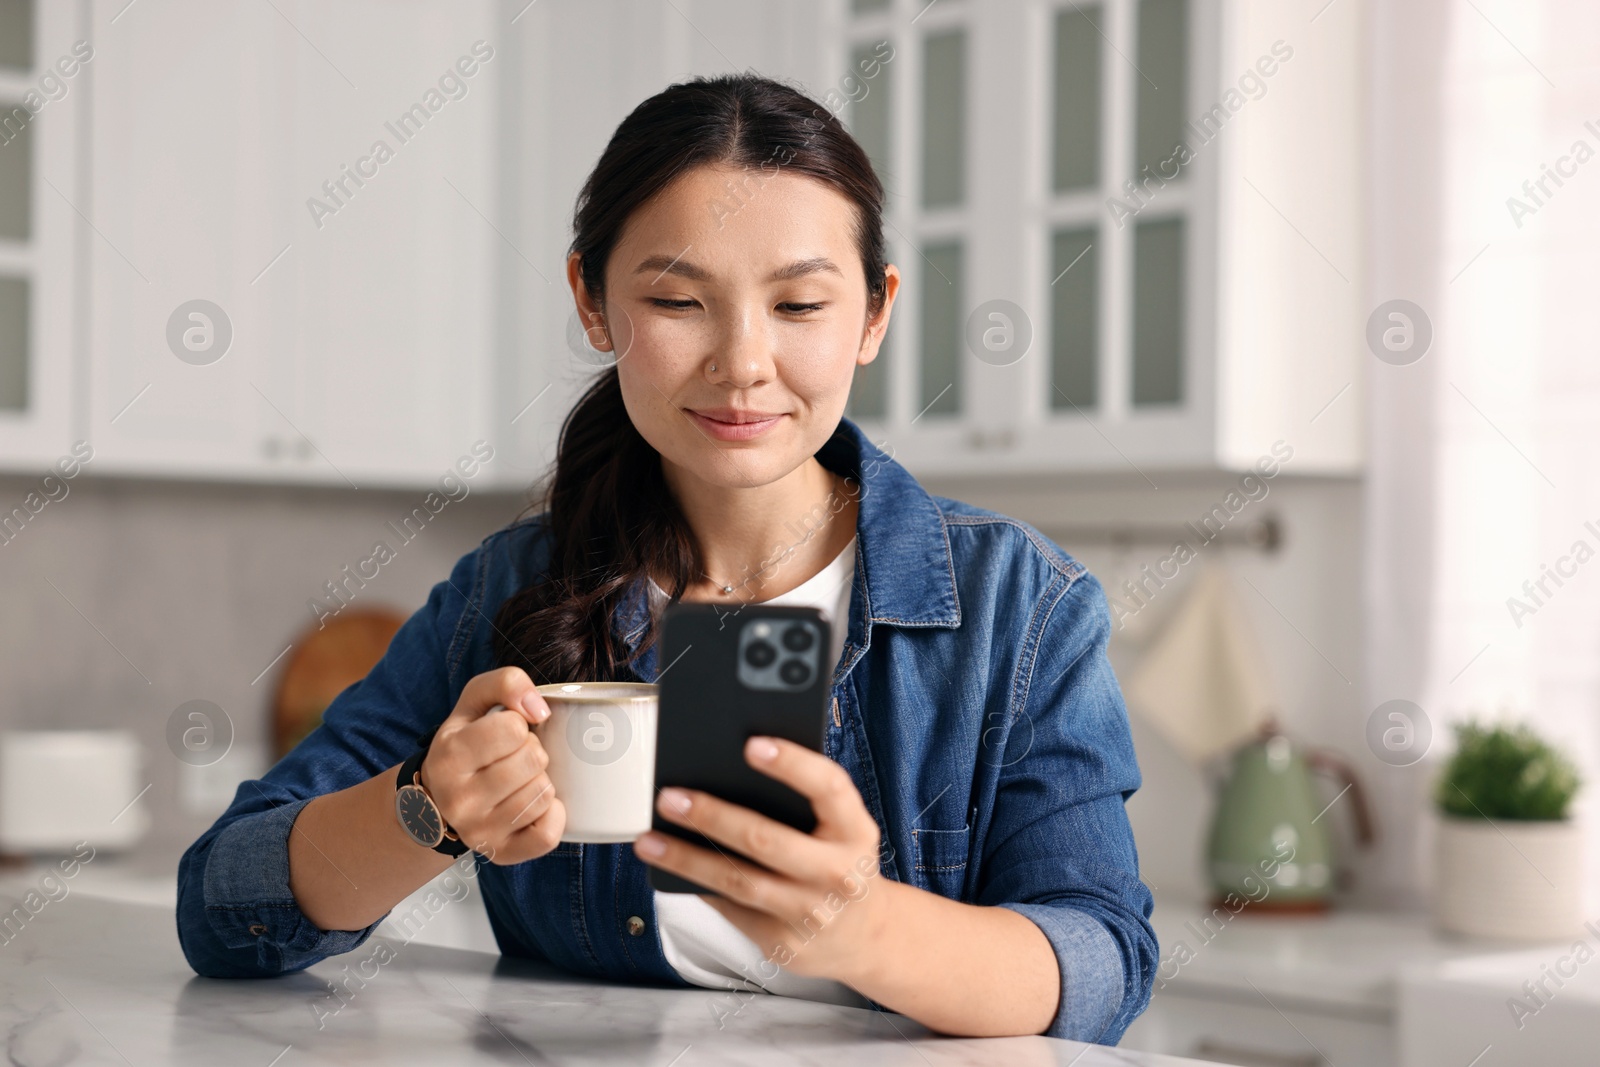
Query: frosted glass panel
{"x": 942, "y": 298}
{"x": 1158, "y": 312}
{"x": 944, "y": 131}
{"x": 863, "y": 6}
{"x": 1163, "y": 59}
{"x": 13, "y": 344}
{"x": 16, "y": 173}
{"x": 869, "y": 124}
{"x": 1074, "y": 321}
{"x": 16, "y": 33}
{"x": 869, "y": 114}
{"x": 1076, "y": 115}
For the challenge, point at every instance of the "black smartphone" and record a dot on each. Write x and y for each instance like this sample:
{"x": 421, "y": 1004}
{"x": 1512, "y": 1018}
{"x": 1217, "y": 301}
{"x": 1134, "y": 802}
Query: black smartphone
{"x": 727, "y": 675}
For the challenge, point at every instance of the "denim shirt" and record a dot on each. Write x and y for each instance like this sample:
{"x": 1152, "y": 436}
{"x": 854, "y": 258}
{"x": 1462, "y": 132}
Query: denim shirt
{"x": 974, "y": 708}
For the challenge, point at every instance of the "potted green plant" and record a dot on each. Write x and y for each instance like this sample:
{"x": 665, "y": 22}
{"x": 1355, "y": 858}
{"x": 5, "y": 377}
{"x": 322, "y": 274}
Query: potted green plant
{"x": 1509, "y": 861}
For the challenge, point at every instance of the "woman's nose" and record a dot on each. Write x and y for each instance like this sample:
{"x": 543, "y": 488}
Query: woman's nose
{"x": 744, "y": 356}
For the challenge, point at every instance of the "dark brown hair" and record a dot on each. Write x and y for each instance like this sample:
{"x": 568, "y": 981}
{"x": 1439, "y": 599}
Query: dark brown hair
{"x": 611, "y": 517}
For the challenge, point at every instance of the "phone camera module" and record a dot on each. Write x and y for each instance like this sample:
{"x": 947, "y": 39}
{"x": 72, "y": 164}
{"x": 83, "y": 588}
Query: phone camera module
{"x": 779, "y": 653}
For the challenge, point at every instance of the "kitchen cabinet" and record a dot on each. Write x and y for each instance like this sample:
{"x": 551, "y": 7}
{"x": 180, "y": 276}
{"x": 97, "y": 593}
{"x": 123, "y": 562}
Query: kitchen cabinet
{"x": 44, "y": 62}
{"x": 292, "y": 230}
{"x": 1270, "y": 990}
{"x": 1258, "y": 1035}
{"x": 1129, "y": 231}
{"x": 1530, "y": 1005}
{"x": 376, "y": 342}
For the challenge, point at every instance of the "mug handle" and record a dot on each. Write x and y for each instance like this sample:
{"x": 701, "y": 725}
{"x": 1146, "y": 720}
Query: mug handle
{"x": 502, "y": 707}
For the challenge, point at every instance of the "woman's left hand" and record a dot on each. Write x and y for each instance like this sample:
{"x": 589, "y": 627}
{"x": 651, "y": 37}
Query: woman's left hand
{"x": 819, "y": 908}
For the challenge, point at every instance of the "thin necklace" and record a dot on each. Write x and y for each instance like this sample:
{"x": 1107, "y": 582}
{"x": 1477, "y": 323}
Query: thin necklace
{"x": 833, "y": 491}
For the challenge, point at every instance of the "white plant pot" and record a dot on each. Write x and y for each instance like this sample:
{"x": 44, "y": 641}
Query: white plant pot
{"x": 1509, "y": 879}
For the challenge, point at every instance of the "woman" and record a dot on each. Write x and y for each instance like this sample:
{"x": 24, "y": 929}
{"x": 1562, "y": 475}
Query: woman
{"x": 729, "y": 254}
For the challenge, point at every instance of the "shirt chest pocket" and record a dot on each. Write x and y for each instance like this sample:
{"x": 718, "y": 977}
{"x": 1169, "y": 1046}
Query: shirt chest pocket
{"x": 941, "y": 860}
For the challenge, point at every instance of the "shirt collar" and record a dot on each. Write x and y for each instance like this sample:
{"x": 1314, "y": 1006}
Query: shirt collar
{"x": 905, "y": 572}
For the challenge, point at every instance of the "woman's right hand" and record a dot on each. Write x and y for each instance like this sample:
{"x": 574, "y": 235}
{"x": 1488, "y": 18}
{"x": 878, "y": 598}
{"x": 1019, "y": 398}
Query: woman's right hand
{"x": 486, "y": 772}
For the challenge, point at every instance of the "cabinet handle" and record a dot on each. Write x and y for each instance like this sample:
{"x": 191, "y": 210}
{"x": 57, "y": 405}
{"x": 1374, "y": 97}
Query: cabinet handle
{"x": 981, "y": 439}
{"x": 1243, "y": 1056}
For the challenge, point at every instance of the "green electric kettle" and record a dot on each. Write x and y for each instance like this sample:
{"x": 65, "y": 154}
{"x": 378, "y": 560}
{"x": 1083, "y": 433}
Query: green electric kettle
{"x": 1269, "y": 845}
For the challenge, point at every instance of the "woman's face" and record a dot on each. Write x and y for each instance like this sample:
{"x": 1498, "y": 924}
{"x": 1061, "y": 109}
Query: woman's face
{"x": 736, "y": 304}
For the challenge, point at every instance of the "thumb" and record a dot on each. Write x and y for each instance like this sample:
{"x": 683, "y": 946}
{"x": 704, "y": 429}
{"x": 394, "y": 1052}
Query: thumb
{"x": 506, "y": 689}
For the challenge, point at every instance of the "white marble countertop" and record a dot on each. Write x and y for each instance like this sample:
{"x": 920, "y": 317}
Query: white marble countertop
{"x": 1535, "y": 1006}
{"x": 1346, "y": 960}
{"x": 88, "y": 980}
{"x": 1368, "y": 979}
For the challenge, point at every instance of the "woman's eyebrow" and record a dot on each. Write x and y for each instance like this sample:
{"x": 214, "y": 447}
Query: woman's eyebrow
{"x": 664, "y": 264}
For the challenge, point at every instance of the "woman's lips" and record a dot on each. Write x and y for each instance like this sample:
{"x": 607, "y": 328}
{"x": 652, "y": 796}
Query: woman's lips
{"x": 732, "y": 431}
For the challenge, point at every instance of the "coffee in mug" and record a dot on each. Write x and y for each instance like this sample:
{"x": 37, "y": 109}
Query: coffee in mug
{"x": 601, "y": 739}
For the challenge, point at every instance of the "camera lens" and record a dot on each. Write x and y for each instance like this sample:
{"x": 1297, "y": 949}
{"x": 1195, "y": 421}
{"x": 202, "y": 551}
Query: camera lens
{"x": 795, "y": 672}
{"x": 759, "y": 654}
{"x": 797, "y": 638}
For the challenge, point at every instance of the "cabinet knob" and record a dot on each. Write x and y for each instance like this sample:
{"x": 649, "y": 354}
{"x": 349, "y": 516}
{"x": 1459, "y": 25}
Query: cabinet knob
{"x": 982, "y": 439}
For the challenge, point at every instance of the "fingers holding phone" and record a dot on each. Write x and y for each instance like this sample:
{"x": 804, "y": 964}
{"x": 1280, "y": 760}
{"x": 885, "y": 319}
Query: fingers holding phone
{"x": 764, "y": 672}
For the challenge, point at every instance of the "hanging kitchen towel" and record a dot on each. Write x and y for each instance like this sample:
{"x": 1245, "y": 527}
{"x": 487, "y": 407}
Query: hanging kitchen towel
{"x": 1201, "y": 682}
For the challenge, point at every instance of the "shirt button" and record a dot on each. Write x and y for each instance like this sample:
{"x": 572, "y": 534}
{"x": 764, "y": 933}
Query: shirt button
{"x": 257, "y": 929}
{"x": 635, "y": 925}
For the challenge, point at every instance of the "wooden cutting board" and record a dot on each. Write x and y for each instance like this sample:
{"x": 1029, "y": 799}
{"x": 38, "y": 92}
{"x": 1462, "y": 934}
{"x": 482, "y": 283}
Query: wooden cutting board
{"x": 324, "y": 661}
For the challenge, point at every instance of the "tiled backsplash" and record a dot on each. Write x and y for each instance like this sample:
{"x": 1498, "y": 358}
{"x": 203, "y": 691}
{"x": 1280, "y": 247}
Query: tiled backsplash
{"x": 129, "y": 598}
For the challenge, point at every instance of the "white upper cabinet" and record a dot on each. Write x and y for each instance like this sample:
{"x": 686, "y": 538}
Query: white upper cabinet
{"x": 325, "y": 243}
{"x": 45, "y": 59}
{"x": 294, "y": 218}
{"x": 1129, "y": 231}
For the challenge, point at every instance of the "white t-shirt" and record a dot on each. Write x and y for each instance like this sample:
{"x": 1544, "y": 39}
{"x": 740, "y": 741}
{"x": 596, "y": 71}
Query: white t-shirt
{"x": 703, "y": 947}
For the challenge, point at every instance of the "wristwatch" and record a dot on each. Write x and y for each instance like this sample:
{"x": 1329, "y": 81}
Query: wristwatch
{"x": 419, "y": 815}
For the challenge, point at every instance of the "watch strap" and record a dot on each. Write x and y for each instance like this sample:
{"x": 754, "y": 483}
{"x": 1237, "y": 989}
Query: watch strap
{"x": 451, "y": 844}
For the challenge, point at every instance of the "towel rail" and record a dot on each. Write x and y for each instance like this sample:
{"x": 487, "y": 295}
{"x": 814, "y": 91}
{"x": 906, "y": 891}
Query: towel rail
{"x": 1264, "y": 534}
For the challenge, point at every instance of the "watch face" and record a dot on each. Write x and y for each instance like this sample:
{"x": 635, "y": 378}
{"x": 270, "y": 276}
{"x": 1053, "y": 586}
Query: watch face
{"x": 419, "y": 816}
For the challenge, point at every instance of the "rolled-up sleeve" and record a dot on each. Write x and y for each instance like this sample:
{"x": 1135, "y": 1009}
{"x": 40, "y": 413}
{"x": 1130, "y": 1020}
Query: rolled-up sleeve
{"x": 252, "y": 925}
{"x": 236, "y": 915}
{"x": 1059, "y": 848}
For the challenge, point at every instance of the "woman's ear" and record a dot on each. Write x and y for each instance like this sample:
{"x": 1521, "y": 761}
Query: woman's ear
{"x": 878, "y": 325}
{"x": 589, "y": 313}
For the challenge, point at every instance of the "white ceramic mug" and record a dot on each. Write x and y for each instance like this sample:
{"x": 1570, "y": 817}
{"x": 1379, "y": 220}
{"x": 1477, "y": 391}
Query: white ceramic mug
{"x": 601, "y": 738}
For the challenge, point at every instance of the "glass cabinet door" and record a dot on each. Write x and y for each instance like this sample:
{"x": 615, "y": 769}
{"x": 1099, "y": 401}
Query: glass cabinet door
{"x": 1031, "y": 153}
{"x": 1158, "y": 243}
{"x": 908, "y": 83}
{"x": 944, "y": 184}
{"x": 871, "y": 105}
{"x": 1118, "y": 210}
{"x": 16, "y": 204}
{"x": 1076, "y": 122}
{"x": 42, "y": 93}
